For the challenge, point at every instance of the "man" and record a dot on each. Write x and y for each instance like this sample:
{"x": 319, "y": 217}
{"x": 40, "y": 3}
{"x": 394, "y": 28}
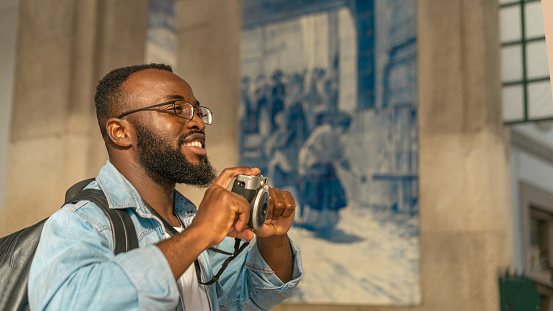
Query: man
{"x": 153, "y": 128}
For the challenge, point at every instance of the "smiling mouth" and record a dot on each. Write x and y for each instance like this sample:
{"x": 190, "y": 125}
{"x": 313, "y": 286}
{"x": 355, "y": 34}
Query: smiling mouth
{"x": 196, "y": 146}
{"x": 195, "y": 143}
{"x": 193, "y": 139}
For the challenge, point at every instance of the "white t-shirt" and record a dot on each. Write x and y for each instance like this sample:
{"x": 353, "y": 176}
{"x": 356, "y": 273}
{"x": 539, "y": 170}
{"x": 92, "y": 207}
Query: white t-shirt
{"x": 193, "y": 294}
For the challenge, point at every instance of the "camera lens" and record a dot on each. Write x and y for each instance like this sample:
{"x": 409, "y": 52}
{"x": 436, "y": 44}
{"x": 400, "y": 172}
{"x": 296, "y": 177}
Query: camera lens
{"x": 263, "y": 209}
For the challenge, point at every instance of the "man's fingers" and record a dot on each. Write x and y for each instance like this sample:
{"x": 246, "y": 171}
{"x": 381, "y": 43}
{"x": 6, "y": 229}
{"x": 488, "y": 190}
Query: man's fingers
{"x": 229, "y": 173}
{"x": 277, "y": 203}
{"x": 246, "y": 234}
{"x": 289, "y": 204}
{"x": 242, "y": 219}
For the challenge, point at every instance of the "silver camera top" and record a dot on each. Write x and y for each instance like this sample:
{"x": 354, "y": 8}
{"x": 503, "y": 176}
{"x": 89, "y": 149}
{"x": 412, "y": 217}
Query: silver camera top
{"x": 251, "y": 182}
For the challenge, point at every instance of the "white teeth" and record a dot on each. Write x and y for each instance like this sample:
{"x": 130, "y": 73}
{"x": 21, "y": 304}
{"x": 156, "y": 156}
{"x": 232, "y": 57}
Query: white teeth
{"x": 194, "y": 144}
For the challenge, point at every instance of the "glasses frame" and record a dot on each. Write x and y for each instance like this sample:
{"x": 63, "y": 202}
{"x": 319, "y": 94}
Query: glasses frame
{"x": 195, "y": 108}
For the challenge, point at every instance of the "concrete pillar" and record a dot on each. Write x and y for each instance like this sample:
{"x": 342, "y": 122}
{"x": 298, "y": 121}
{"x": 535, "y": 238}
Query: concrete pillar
{"x": 8, "y": 37}
{"x": 63, "y": 48}
{"x": 208, "y": 48}
{"x": 121, "y": 30}
{"x": 464, "y": 154}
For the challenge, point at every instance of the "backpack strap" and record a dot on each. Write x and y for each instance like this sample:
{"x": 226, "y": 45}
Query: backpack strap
{"x": 123, "y": 231}
{"x": 76, "y": 188}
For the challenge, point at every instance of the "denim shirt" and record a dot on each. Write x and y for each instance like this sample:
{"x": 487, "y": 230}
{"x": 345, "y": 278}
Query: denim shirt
{"x": 74, "y": 267}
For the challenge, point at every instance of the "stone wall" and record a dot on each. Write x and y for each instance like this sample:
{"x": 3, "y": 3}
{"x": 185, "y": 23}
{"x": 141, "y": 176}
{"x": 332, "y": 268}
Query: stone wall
{"x": 63, "y": 48}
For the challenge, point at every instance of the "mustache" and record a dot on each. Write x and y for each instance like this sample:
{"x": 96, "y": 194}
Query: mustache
{"x": 184, "y": 136}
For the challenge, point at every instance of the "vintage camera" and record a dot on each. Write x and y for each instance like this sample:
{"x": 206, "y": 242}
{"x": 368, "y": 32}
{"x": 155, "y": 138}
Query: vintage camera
{"x": 256, "y": 190}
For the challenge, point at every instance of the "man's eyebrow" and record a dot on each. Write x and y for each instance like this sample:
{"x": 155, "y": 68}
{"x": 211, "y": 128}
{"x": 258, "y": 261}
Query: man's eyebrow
{"x": 175, "y": 97}
{"x": 178, "y": 97}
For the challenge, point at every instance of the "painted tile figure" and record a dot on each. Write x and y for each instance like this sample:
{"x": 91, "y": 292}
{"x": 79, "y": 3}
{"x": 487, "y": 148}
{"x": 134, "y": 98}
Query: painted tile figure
{"x": 322, "y": 192}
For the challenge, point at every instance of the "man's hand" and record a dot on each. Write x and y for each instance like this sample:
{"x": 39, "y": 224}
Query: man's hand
{"x": 224, "y": 213}
{"x": 272, "y": 238}
{"x": 280, "y": 216}
{"x": 221, "y": 213}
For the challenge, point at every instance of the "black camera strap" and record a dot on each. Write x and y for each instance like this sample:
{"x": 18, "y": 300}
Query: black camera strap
{"x": 172, "y": 232}
{"x": 168, "y": 227}
{"x": 237, "y": 250}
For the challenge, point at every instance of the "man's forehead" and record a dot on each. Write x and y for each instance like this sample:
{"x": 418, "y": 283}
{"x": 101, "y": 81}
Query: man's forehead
{"x": 158, "y": 84}
{"x": 194, "y": 102}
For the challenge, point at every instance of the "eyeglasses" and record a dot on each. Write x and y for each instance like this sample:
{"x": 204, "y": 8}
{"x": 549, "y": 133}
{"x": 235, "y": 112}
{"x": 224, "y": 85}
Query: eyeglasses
{"x": 181, "y": 109}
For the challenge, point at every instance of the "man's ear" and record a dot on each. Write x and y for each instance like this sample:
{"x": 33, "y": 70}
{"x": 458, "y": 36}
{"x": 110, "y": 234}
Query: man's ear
{"x": 120, "y": 132}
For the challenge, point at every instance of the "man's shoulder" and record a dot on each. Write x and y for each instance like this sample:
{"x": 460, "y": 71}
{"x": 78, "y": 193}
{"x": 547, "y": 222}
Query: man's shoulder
{"x": 84, "y": 213}
{"x": 74, "y": 224}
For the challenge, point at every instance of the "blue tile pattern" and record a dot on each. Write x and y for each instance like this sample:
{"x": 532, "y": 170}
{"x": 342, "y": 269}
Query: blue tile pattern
{"x": 329, "y": 112}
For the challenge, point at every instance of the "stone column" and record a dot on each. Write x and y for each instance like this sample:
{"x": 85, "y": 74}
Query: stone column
{"x": 8, "y": 37}
{"x": 464, "y": 156}
{"x": 63, "y": 48}
{"x": 208, "y": 48}
{"x": 121, "y": 41}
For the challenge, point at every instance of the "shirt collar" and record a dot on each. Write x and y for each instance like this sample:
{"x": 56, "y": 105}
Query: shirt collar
{"x": 120, "y": 193}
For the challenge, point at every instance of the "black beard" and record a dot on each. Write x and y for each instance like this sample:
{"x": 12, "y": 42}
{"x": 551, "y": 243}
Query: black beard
{"x": 166, "y": 164}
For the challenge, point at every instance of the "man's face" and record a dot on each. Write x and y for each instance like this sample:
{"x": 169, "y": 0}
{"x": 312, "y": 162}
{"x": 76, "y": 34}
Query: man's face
{"x": 162, "y": 160}
{"x": 169, "y": 147}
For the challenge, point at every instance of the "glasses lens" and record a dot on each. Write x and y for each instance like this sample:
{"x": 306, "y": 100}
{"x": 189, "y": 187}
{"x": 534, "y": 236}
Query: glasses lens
{"x": 183, "y": 109}
{"x": 186, "y": 110}
{"x": 205, "y": 114}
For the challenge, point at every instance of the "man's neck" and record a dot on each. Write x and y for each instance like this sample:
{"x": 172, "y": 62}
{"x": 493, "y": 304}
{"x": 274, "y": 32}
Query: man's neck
{"x": 158, "y": 193}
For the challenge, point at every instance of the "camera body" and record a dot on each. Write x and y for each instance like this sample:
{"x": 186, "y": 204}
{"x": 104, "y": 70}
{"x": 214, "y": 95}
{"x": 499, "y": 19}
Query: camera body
{"x": 256, "y": 190}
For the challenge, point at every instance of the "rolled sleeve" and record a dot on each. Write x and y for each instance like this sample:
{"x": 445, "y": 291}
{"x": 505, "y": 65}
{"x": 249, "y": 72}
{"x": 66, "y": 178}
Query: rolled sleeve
{"x": 251, "y": 284}
{"x": 263, "y": 277}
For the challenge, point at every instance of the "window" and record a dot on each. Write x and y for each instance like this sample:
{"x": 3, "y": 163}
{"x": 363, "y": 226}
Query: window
{"x": 526, "y": 90}
{"x": 541, "y": 224}
{"x": 537, "y": 222}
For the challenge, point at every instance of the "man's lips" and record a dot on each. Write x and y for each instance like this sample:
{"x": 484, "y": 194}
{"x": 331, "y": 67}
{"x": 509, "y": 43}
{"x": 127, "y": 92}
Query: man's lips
{"x": 195, "y": 143}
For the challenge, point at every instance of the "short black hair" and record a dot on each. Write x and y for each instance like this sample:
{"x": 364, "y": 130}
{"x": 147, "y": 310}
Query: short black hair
{"x": 109, "y": 92}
